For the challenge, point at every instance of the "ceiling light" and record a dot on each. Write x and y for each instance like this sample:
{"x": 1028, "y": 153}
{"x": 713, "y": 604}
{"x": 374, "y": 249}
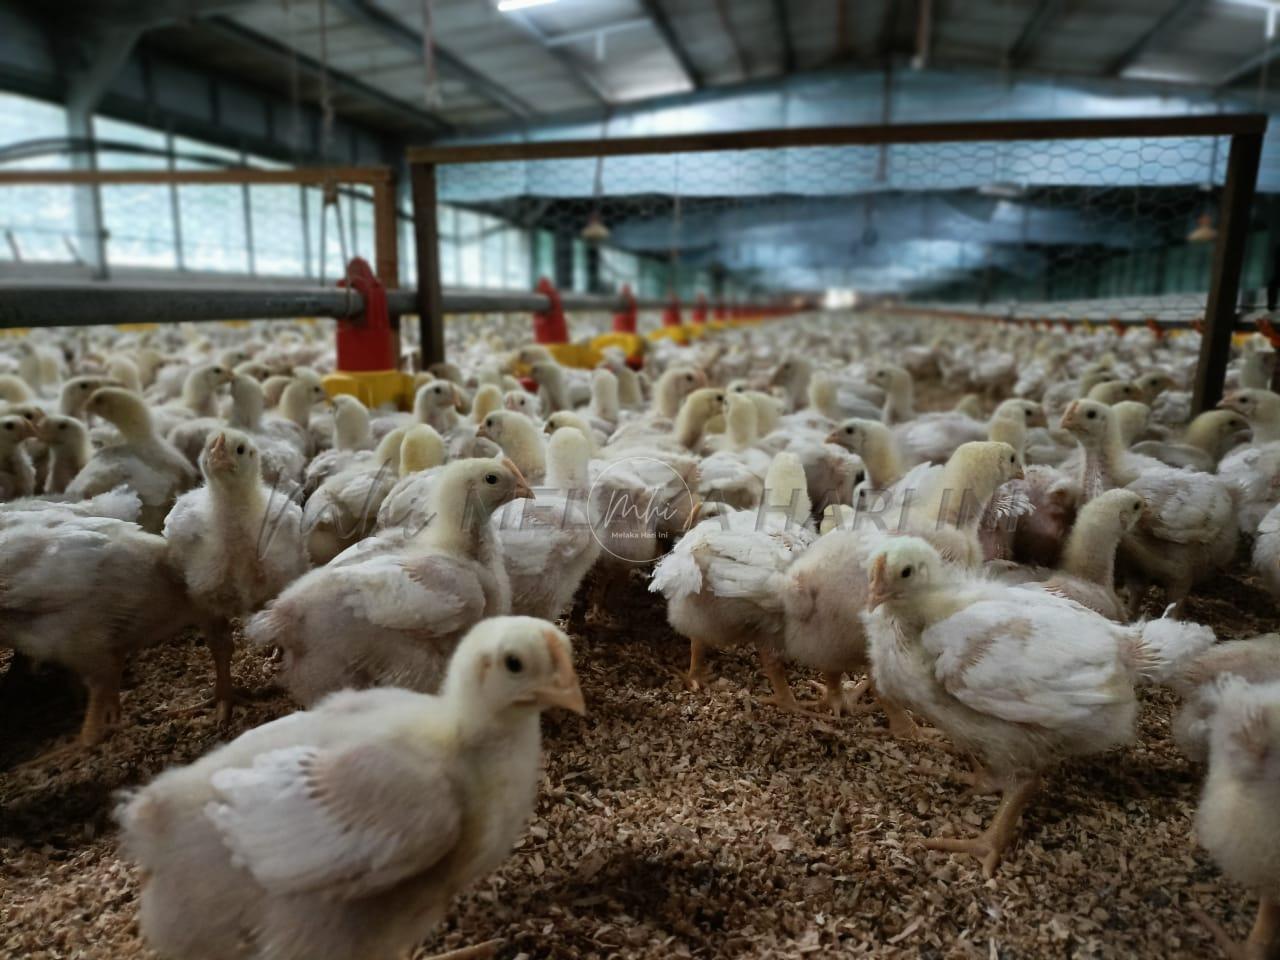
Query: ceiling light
{"x": 507, "y": 6}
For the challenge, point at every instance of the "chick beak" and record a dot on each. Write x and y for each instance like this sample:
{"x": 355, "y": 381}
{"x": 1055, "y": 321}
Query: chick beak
{"x": 879, "y": 584}
{"x": 218, "y": 455}
{"x": 564, "y": 692}
{"x": 26, "y": 429}
{"x": 1227, "y": 403}
{"x": 701, "y": 377}
{"x": 457, "y": 401}
{"x": 1019, "y": 474}
{"x": 693, "y": 515}
{"x": 522, "y": 491}
{"x": 833, "y": 437}
{"x": 1068, "y": 417}
{"x": 483, "y": 432}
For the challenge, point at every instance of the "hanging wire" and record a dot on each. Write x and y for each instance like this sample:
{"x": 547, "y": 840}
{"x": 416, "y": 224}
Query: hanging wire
{"x": 295, "y": 97}
{"x": 326, "y": 96}
{"x": 432, "y": 93}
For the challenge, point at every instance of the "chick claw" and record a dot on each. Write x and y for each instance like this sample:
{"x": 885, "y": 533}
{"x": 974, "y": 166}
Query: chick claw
{"x": 978, "y": 846}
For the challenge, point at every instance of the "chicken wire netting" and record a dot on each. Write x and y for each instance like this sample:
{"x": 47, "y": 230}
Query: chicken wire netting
{"x": 1058, "y": 227}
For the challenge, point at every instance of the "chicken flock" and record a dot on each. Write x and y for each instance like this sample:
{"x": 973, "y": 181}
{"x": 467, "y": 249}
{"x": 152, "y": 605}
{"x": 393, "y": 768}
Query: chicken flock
{"x": 1001, "y": 577}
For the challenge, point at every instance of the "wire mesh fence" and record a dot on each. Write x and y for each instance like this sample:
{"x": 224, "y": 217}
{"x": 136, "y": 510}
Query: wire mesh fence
{"x": 1070, "y": 227}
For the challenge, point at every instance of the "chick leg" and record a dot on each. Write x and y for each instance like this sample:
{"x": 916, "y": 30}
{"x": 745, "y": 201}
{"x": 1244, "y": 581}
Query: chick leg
{"x": 218, "y": 638}
{"x": 990, "y": 845}
{"x": 696, "y": 678}
{"x": 1263, "y": 938}
{"x": 782, "y": 697}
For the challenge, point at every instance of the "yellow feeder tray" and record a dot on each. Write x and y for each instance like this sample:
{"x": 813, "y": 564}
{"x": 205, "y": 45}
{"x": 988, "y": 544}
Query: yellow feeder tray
{"x": 678, "y": 334}
{"x": 583, "y": 355}
{"x": 631, "y": 344}
{"x": 373, "y": 388}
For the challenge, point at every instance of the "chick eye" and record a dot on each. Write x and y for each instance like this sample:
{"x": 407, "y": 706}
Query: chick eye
{"x": 688, "y": 378}
{"x": 240, "y": 449}
{"x": 84, "y": 386}
{"x": 720, "y": 398}
{"x": 859, "y": 477}
{"x": 906, "y": 572}
{"x": 62, "y": 426}
{"x": 513, "y": 663}
{"x": 1013, "y": 459}
{"x": 8, "y": 426}
{"x": 849, "y": 431}
{"x": 491, "y": 478}
{"x": 1137, "y": 507}
{"x": 1092, "y": 414}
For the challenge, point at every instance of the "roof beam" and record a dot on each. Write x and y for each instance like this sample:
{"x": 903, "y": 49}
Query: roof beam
{"x": 885, "y": 39}
{"x": 342, "y": 81}
{"x": 568, "y": 61}
{"x": 783, "y": 20}
{"x": 1168, "y": 22}
{"x": 366, "y": 13}
{"x": 1252, "y": 65}
{"x": 662, "y": 23}
{"x": 1020, "y": 50}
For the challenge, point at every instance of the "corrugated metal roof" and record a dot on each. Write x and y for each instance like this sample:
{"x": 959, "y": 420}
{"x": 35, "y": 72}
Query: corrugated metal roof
{"x": 574, "y": 56}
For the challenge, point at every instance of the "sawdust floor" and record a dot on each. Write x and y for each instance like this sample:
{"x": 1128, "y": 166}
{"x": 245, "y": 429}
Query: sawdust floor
{"x": 676, "y": 824}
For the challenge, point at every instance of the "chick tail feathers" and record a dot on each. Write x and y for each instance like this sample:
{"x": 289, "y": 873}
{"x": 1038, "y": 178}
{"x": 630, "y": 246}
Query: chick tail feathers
{"x": 143, "y": 820}
{"x": 274, "y": 627}
{"x": 1164, "y": 648}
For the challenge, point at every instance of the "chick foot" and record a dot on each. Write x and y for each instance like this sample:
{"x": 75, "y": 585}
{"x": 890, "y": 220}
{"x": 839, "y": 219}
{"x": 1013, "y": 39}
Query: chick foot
{"x": 990, "y": 845}
{"x": 1263, "y": 939}
{"x": 222, "y": 706}
{"x": 102, "y": 713}
{"x": 782, "y": 697}
{"x": 980, "y": 781}
{"x": 903, "y": 727}
{"x": 834, "y": 698}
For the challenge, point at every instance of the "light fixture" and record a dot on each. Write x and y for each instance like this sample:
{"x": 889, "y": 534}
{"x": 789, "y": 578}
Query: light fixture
{"x": 508, "y": 6}
{"x": 1205, "y": 231}
{"x": 595, "y": 231}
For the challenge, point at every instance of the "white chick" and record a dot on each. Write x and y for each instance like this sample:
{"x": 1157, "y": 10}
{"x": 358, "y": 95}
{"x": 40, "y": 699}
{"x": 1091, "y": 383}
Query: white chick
{"x": 394, "y": 617}
{"x": 1017, "y": 678}
{"x": 1238, "y": 820}
{"x": 1189, "y": 530}
{"x": 548, "y": 544}
{"x": 520, "y": 439}
{"x": 69, "y": 450}
{"x": 142, "y": 460}
{"x": 84, "y": 592}
{"x": 17, "y": 475}
{"x": 237, "y": 544}
{"x": 1256, "y": 660}
{"x": 722, "y": 579}
{"x": 346, "y": 830}
{"x": 1086, "y": 572}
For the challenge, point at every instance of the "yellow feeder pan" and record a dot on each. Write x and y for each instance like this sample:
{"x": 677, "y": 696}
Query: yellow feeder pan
{"x": 678, "y": 334}
{"x": 582, "y": 355}
{"x": 631, "y": 344}
{"x": 373, "y": 388}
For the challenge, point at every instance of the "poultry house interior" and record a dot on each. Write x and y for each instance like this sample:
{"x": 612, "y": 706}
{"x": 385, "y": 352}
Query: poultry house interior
{"x": 756, "y": 480}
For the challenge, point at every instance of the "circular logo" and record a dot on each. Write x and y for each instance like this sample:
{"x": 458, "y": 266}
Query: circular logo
{"x": 639, "y": 506}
